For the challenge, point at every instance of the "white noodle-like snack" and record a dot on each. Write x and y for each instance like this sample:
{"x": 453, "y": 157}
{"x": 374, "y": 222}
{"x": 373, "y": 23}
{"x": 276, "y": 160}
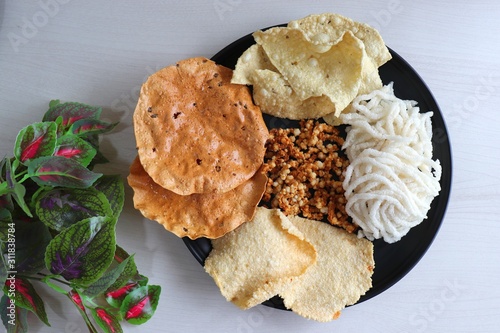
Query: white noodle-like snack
{"x": 392, "y": 178}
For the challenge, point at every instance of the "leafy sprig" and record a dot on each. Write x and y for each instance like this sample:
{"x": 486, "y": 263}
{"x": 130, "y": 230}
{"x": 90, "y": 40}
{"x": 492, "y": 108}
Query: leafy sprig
{"x": 57, "y": 226}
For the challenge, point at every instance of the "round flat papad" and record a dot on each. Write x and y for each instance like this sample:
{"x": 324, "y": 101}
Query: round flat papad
{"x": 195, "y": 131}
{"x": 209, "y": 215}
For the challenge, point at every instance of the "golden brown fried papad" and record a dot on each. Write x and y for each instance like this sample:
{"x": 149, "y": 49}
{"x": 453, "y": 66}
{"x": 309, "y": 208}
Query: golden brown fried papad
{"x": 208, "y": 215}
{"x": 195, "y": 131}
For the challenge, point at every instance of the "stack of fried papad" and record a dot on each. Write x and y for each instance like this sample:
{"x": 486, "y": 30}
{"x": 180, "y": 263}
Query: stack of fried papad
{"x": 316, "y": 268}
{"x": 312, "y": 68}
{"x": 200, "y": 142}
{"x": 208, "y": 215}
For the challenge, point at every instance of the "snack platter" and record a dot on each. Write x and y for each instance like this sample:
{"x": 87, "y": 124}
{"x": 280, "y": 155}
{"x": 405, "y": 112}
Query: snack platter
{"x": 392, "y": 261}
{"x": 306, "y": 166}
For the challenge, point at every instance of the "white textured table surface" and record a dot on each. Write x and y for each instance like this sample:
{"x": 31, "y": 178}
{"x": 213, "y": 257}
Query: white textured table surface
{"x": 99, "y": 52}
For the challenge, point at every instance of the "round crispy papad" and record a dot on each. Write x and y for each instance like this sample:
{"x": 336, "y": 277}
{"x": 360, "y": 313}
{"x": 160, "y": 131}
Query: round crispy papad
{"x": 195, "y": 131}
{"x": 340, "y": 276}
{"x": 208, "y": 215}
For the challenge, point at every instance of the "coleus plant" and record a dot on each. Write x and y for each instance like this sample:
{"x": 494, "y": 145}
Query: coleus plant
{"x": 57, "y": 226}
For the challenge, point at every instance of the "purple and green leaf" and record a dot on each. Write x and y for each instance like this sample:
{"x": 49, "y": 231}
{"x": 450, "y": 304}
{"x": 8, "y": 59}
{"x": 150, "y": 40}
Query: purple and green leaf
{"x": 61, "y": 208}
{"x": 61, "y": 171}
{"x": 106, "y": 320}
{"x": 25, "y": 296}
{"x": 36, "y": 140}
{"x": 82, "y": 252}
{"x": 140, "y": 304}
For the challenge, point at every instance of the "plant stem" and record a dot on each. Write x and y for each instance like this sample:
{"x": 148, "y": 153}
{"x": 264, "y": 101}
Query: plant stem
{"x": 29, "y": 277}
{"x": 84, "y": 315}
{"x": 60, "y": 281}
{"x": 24, "y": 178}
{"x": 20, "y": 174}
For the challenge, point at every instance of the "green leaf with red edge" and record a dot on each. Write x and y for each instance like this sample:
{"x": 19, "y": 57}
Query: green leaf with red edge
{"x": 115, "y": 296}
{"x": 60, "y": 208}
{"x": 128, "y": 282}
{"x": 75, "y": 297}
{"x": 106, "y": 320}
{"x": 85, "y": 127}
{"x": 106, "y": 280}
{"x": 14, "y": 318}
{"x": 112, "y": 187}
{"x": 61, "y": 171}
{"x": 36, "y": 140}
{"x": 140, "y": 304}
{"x": 82, "y": 252}
{"x": 25, "y": 296}
{"x": 70, "y": 112}
{"x": 73, "y": 147}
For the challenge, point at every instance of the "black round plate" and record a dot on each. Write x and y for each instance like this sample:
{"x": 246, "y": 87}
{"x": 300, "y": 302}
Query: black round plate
{"x": 392, "y": 261}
